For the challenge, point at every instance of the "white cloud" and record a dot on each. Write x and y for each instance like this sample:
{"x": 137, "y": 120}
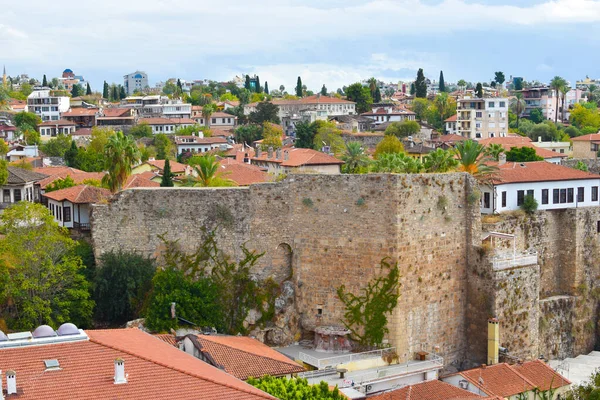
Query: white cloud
{"x": 7, "y": 32}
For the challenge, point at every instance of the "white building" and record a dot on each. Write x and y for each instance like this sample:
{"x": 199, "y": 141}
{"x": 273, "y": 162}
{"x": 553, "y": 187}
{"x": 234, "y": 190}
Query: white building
{"x": 552, "y": 186}
{"x": 200, "y": 144}
{"x": 557, "y": 147}
{"x": 389, "y": 113}
{"x": 136, "y": 81}
{"x": 482, "y": 118}
{"x": 51, "y": 129}
{"x": 48, "y": 107}
{"x": 218, "y": 120}
{"x": 21, "y": 185}
{"x": 166, "y": 125}
{"x": 20, "y": 151}
{"x": 156, "y": 106}
{"x": 71, "y": 207}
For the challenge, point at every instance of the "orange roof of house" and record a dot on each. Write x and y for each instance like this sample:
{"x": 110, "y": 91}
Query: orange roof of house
{"x": 117, "y": 112}
{"x": 592, "y": 137}
{"x": 80, "y": 112}
{"x": 82, "y": 194}
{"x": 141, "y": 180}
{"x": 451, "y": 119}
{"x": 519, "y": 141}
{"x": 154, "y": 369}
{"x": 175, "y": 166}
{"x": 451, "y": 137}
{"x": 315, "y": 99}
{"x": 538, "y": 171}
{"x": 241, "y": 173}
{"x": 167, "y": 338}
{"x": 499, "y": 379}
{"x": 244, "y": 357}
{"x": 220, "y": 114}
{"x": 60, "y": 122}
{"x": 300, "y": 157}
{"x": 541, "y": 375}
{"x": 429, "y": 390}
{"x": 55, "y": 173}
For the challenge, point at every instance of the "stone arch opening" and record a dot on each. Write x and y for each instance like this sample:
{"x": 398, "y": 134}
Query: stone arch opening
{"x": 281, "y": 263}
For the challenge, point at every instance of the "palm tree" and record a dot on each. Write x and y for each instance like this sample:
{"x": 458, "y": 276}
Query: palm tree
{"x": 518, "y": 105}
{"x": 354, "y": 158}
{"x": 440, "y": 161}
{"x": 494, "y": 150}
{"x": 207, "y": 111}
{"x": 472, "y": 158}
{"x": 563, "y": 91}
{"x": 209, "y": 174}
{"x": 399, "y": 163}
{"x": 462, "y": 84}
{"x": 442, "y": 102}
{"x": 372, "y": 86}
{"x": 557, "y": 84}
{"x": 593, "y": 92}
{"x": 120, "y": 153}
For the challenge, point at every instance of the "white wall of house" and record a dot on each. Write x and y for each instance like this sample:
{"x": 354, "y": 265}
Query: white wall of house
{"x": 15, "y": 193}
{"x": 167, "y": 128}
{"x": 222, "y": 122}
{"x": 508, "y": 197}
{"x": 48, "y": 132}
{"x": 47, "y": 107}
{"x": 197, "y": 147}
{"x": 181, "y": 110}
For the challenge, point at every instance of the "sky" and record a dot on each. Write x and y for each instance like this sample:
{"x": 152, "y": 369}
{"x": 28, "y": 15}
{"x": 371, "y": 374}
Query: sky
{"x": 331, "y": 42}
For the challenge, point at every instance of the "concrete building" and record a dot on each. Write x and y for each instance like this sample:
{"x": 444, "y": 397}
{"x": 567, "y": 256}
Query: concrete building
{"x": 482, "y": 118}
{"x": 450, "y": 125}
{"x": 542, "y": 98}
{"x": 44, "y": 104}
{"x": 586, "y": 146}
{"x": 166, "y": 125}
{"x": 136, "y": 81}
{"x": 157, "y": 106}
{"x": 512, "y": 141}
{"x": 565, "y": 148}
{"x": 199, "y": 144}
{"x": 51, "y": 129}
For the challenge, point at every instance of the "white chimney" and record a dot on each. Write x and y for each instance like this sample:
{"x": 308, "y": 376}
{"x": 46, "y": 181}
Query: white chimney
{"x": 120, "y": 371}
{"x": 502, "y": 159}
{"x": 11, "y": 382}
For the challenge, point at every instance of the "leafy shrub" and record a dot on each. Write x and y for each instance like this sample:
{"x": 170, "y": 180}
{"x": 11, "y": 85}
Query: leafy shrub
{"x": 530, "y": 204}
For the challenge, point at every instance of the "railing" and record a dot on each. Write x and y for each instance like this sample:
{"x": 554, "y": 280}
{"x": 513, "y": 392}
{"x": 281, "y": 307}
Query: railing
{"x": 334, "y": 361}
{"x": 82, "y": 226}
{"x": 504, "y": 262}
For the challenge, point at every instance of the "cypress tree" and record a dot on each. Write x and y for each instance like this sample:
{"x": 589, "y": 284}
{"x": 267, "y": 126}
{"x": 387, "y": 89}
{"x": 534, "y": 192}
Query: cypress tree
{"x": 88, "y": 90}
{"x": 44, "y": 81}
{"x": 377, "y": 97}
{"x": 324, "y": 90}
{"x": 266, "y": 87}
{"x": 258, "y": 89}
{"x": 76, "y": 91}
{"x": 479, "y": 90}
{"x": 420, "y": 85}
{"x": 247, "y": 84}
{"x": 105, "y": 91}
{"x": 115, "y": 93}
{"x": 442, "y": 83}
{"x": 179, "y": 86}
{"x": 122, "y": 93}
{"x": 299, "y": 87}
{"x": 167, "y": 178}
{"x": 412, "y": 89}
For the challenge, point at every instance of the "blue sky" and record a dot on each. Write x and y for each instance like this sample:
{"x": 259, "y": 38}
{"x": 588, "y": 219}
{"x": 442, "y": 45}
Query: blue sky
{"x": 335, "y": 42}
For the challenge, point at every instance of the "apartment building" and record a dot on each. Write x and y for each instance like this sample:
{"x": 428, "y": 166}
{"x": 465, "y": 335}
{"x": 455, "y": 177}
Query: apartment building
{"x": 482, "y": 118}
{"x": 44, "y": 104}
{"x": 158, "y": 107}
{"x": 136, "y": 81}
{"x": 542, "y": 98}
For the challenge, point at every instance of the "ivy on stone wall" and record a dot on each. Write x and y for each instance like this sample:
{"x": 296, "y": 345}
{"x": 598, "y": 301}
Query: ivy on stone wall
{"x": 366, "y": 313}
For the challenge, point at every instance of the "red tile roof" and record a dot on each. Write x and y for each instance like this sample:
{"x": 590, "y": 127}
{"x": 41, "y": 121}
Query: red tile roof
{"x": 242, "y": 174}
{"x": 155, "y": 370}
{"x": 167, "y": 338}
{"x": 429, "y": 390}
{"x": 244, "y": 357}
{"x": 60, "y": 122}
{"x": 300, "y": 157}
{"x": 82, "y": 194}
{"x": 141, "y": 180}
{"x": 538, "y": 171}
{"x": 117, "y": 112}
{"x": 541, "y": 375}
{"x": 219, "y": 114}
{"x": 451, "y": 119}
{"x": 175, "y": 166}
{"x": 81, "y": 112}
{"x": 55, "y": 173}
{"x": 519, "y": 141}
{"x": 451, "y": 137}
{"x": 499, "y": 379}
{"x": 593, "y": 137}
{"x": 315, "y": 99}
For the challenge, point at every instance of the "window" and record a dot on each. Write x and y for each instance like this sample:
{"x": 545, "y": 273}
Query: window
{"x": 530, "y": 192}
{"x": 214, "y": 120}
{"x": 563, "y": 196}
{"x": 598, "y": 227}
{"x": 544, "y": 196}
{"x": 491, "y": 104}
{"x": 580, "y": 195}
{"x": 6, "y": 196}
{"x": 503, "y": 199}
{"x": 594, "y": 193}
{"x": 17, "y": 194}
{"x": 594, "y": 147}
{"x": 502, "y": 104}
{"x": 570, "y": 198}
{"x": 492, "y": 125}
{"x": 486, "y": 200}
{"x": 555, "y": 196}
{"x": 520, "y": 197}
{"x": 223, "y": 120}
{"x": 478, "y": 114}
{"x": 478, "y": 135}
{"x": 67, "y": 214}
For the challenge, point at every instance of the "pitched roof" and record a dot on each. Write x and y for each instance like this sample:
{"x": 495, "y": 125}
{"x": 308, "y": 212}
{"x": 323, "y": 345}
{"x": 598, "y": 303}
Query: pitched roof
{"x": 167, "y": 338}
{"x": 116, "y": 112}
{"x": 429, "y": 390}
{"x": 315, "y": 99}
{"x": 593, "y": 137}
{"x": 449, "y": 138}
{"x": 81, "y": 112}
{"x": 154, "y": 370}
{"x": 538, "y": 171}
{"x": 301, "y": 157}
{"x": 175, "y": 166}
{"x": 167, "y": 121}
{"x": 220, "y": 114}
{"x": 81, "y": 194}
{"x": 541, "y": 375}
{"x": 60, "y": 122}
{"x": 141, "y": 180}
{"x": 451, "y": 119}
{"x": 55, "y": 173}
{"x": 20, "y": 176}
{"x": 499, "y": 379}
{"x": 244, "y": 357}
{"x": 241, "y": 173}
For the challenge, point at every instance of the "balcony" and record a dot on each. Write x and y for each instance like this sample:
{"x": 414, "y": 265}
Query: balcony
{"x": 83, "y": 227}
{"x": 508, "y": 261}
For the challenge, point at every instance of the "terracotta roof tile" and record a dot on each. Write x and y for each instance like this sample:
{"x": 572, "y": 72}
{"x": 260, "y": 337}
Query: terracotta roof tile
{"x": 117, "y": 112}
{"x": 499, "y": 379}
{"x": 593, "y": 137}
{"x": 167, "y": 338}
{"x": 167, "y": 121}
{"x": 60, "y": 122}
{"x": 55, "y": 173}
{"x": 244, "y": 357}
{"x": 80, "y": 112}
{"x": 518, "y": 141}
{"x": 541, "y": 375}
{"x": 243, "y": 174}
{"x": 155, "y": 370}
{"x": 538, "y": 171}
{"x": 451, "y": 119}
{"x": 429, "y": 390}
{"x": 82, "y": 194}
{"x": 301, "y": 157}
{"x": 141, "y": 180}
{"x": 175, "y": 166}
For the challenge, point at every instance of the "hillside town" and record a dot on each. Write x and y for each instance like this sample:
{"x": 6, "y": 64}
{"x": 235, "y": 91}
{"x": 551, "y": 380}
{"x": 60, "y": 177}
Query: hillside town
{"x": 180, "y": 236}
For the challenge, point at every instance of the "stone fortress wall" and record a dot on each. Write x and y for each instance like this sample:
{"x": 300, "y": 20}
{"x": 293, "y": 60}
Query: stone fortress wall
{"x": 319, "y": 232}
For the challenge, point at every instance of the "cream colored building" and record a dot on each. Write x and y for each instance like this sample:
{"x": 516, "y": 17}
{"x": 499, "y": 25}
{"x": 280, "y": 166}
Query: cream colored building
{"x": 482, "y": 118}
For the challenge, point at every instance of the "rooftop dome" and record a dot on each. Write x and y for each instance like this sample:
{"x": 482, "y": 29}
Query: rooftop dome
{"x": 138, "y": 76}
{"x": 3, "y": 337}
{"x": 43, "y": 331}
{"x": 67, "y": 329}
{"x": 68, "y": 71}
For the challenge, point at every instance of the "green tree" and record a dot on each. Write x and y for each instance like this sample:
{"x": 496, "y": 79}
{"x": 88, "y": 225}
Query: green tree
{"x": 265, "y": 112}
{"x": 413, "y": 89}
{"x": 399, "y": 163}
{"x": 167, "y": 178}
{"x": 494, "y": 150}
{"x": 572, "y": 131}
{"x": 389, "y": 144}
{"x": 582, "y": 116}
{"x": 536, "y": 115}
{"x": 328, "y": 135}
{"x": 26, "y": 120}
{"x": 88, "y": 90}
{"x": 164, "y": 146}
{"x": 59, "y": 184}
{"x": 114, "y": 93}
{"x": 41, "y": 281}
{"x": 258, "y": 89}
{"x": 442, "y": 84}
{"x": 443, "y": 104}
{"x": 530, "y": 204}
{"x": 518, "y": 83}
{"x": 71, "y": 155}
{"x": 420, "y": 85}
{"x": 355, "y": 159}
{"x": 556, "y": 84}
{"x": 547, "y": 131}
{"x": 479, "y": 90}
{"x": 120, "y": 153}
{"x": 499, "y": 77}
{"x": 377, "y": 95}
{"x": 462, "y": 84}
{"x": 299, "y": 91}
{"x": 266, "y": 87}
{"x": 305, "y": 134}
{"x": 420, "y": 107}
{"x": 403, "y": 129}
{"x": 121, "y": 286}
{"x": 365, "y": 314}
{"x": 56, "y": 147}
{"x": 518, "y": 105}
{"x": 522, "y": 154}
{"x": 105, "y": 91}
{"x": 77, "y": 90}
{"x": 361, "y": 95}
{"x": 472, "y": 158}
{"x": 3, "y": 172}
{"x": 4, "y": 149}
{"x": 44, "y": 81}
{"x": 140, "y": 130}
{"x": 207, "y": 111}
{"x": 248, "y": 133}
{"x": 593, "y": 93}
{"x": 208, "y": 174}
{"x": 323, "y": 91}
{"x": 439, "y": 161}
{"x": 122, "y": 93}
{"x": 581, "y": 166}
{"x": 295, "y": 389}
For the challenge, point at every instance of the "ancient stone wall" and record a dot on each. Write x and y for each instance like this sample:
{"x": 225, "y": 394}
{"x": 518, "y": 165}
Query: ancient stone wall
{"x": 593, "y": 164}
{"x": 368, "y": 139}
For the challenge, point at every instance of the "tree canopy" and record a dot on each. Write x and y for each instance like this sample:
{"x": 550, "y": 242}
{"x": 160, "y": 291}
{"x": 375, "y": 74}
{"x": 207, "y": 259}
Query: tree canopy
{"x": 361, "y": 95}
